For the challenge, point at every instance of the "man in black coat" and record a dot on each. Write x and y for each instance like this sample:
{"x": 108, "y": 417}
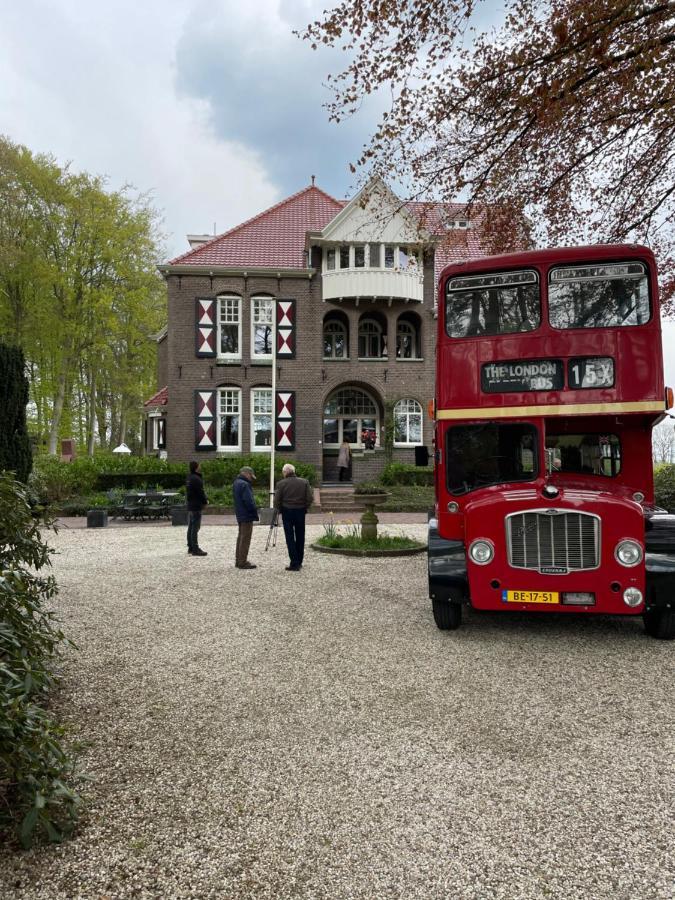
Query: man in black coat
{"x": 292, "y": 498}
{"x": 196, "y": 501}
{"x": 247, "y": 513}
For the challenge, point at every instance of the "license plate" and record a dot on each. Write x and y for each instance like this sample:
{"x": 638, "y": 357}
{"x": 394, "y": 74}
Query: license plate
{"x": 530, "y": 597}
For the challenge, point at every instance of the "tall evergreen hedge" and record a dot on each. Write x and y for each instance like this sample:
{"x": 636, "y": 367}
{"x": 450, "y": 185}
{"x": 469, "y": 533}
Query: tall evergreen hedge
{"x": 15, "y": 453}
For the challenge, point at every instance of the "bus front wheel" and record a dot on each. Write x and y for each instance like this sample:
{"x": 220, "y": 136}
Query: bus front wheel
{"x": 660, "y": 623}
{"x": 448, "y": 616}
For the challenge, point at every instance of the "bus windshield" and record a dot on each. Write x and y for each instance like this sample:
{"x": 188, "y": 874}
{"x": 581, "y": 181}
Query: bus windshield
{"x": 499, "y": 303}
{"x": 489, "y": 453}
{"x": 585, "y": 454}
{"x": 599, "y": 296}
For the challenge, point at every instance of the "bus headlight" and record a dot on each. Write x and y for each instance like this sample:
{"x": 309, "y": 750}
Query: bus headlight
{"x": 632, "y": 597}
{"x": 481, "y": 552}
{"x": 628, "y": 553}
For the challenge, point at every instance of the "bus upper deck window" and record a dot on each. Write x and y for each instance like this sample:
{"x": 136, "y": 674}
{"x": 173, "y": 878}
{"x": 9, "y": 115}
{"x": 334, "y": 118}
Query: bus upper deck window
{"x": 498, "y": 303}
{"x": 598, "y": 296}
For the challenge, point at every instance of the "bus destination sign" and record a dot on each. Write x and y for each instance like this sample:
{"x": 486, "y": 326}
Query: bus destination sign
{"x": 522, "y": 375}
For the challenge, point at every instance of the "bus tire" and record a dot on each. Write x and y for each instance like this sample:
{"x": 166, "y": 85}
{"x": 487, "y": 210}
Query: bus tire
{"x": 660, "y": 623}
{"x": 447, "y": 616}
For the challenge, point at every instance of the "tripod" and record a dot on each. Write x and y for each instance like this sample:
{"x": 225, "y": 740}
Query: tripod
{"x": 272, "y": 533}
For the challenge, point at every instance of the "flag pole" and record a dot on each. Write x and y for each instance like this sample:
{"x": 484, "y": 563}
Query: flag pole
{"x": 274, "y": 399}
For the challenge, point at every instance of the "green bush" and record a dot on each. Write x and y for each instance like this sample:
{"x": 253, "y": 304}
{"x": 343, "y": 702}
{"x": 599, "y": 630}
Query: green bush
{"x": 400, "y": 473}
{"x": 54, "y": 481}
{"x": 35, "y": 799}
{"x": 664, "y": 487}
{"x": 369, "y": 487}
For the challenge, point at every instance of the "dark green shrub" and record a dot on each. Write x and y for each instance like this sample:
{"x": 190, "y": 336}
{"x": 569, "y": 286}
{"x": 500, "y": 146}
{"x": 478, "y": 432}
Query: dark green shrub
{"x": 400, "y": 473}
{"x": 369, "y": 487}
{"x": 140, "y": 480}
{"x": 15, "y": 454}
{"x": 664, "y": 487}
{"x": 35, "y": 799}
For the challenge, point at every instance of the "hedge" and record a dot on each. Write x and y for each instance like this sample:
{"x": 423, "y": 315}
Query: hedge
{"x": 400, "y": 473}
{"x": 54, "y": 481}
{"x": 664, "y": 487}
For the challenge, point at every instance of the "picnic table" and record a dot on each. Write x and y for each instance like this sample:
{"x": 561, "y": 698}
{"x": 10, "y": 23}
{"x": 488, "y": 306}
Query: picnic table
{"x": 148, "y": 504}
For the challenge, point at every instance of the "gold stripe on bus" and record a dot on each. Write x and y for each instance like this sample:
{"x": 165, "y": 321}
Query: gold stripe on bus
{"x": 562, "y": 409}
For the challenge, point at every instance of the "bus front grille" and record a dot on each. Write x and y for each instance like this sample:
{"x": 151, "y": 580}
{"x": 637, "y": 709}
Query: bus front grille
{"x": 553, "y": 541}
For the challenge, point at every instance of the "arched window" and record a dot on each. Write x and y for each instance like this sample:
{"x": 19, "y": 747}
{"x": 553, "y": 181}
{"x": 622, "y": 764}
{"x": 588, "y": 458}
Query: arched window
{"x": 407, "y": 423}
{"x": 351, "y": 415}
{"x": 334, "y": 339}
{"x": 371, "y": 340}
{"x": 407, "y": 339}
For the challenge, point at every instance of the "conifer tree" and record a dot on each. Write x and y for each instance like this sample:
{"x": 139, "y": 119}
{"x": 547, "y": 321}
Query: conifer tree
{"x": 15, "y": 452}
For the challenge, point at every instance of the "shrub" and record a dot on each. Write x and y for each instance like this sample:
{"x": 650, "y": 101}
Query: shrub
{"x": 369, "y": 487}
{"x": 664, "y": 487}
{"x": 400, "y": 473}
{"x": 54, "y": 481}
{"x": 35, "y": 799}
{"x": 15, "y": 454}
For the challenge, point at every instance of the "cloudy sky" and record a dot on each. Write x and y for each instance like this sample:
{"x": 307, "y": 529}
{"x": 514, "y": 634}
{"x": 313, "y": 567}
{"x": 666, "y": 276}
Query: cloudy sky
{"x": 213, "y": 106}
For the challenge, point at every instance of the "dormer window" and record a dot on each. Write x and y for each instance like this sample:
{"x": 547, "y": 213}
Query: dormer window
{"x": 359, "y": 256}
{"x": 330, "y": 258}
{"x": 389, "y": 256}
{"x": 344, "y": 256}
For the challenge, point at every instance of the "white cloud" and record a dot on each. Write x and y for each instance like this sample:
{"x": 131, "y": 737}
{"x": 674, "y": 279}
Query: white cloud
{"x": 94, "y": 84}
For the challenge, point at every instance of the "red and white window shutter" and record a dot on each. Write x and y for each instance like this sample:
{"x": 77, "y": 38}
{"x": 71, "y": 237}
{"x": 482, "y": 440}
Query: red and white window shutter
{"x": 205, "y": 327}
{"x": 286, "y": 329}
{"x": 205, "y": 420}
{"x": 285, "y": 420}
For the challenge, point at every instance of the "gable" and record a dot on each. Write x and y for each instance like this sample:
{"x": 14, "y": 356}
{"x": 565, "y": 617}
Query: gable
{"x": 374, "y": 214}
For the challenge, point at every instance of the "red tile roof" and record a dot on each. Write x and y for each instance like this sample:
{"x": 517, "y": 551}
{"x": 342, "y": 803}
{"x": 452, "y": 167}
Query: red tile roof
{"x": 275, "y": 237}
{"x": 161, "y": 398}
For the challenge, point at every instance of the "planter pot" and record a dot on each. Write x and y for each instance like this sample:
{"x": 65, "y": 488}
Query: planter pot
{"x": 97, "y": 518}
{"x": 179, "y": 515}
{"x": 369, "y": 520}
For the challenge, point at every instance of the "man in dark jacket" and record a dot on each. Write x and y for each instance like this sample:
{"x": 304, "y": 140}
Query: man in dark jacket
{"x": 247, "y": 513}
{"x": 196, "y": 501}
{"x": 292, "y": 498}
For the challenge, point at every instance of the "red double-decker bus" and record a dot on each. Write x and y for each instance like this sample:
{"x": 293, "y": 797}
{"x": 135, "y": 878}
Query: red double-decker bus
{"x": 549, "y": 380}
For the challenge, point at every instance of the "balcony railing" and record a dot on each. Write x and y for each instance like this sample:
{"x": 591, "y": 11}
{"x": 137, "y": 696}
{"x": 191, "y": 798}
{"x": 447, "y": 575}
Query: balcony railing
{"x": 382, "y": 284}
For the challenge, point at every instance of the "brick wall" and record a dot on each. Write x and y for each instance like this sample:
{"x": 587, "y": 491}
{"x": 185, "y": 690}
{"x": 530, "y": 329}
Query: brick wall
{"x": 312, "y": 377}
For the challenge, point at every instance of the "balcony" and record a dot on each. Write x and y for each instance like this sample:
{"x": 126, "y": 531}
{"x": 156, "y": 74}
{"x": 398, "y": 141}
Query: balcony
{"x": 378, "y": 284}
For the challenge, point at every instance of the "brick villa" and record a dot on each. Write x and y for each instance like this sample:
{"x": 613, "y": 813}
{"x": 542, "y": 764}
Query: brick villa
{"x": 355, "y": 331}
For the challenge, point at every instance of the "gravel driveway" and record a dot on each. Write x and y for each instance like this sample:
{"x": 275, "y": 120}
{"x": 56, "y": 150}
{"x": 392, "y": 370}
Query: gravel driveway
{"x": 274, "y": 734}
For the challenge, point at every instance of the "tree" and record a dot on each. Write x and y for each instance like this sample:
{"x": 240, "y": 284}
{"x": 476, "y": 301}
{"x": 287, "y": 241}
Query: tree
{"x": 663, "y": 442}
{"x": 79, "y": 292}
{"x": 15, "y": 452}
{"x": 565, "y": 112}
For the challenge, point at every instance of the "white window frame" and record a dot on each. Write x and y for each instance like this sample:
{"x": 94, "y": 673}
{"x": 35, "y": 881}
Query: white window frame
{"x": 255, "y": 448}
{"x": 357, "y": 415}
{"x": 382, "y": 341}
{"x": 255, "y": 300}
{"x": 407, "y": 327}
{"x": 343, "y": 329}
{"x": 226, "y": 448}
{"x": 409, "y": 412}
{"x": 153, "y": 419}
{"x": 223, "y": 305}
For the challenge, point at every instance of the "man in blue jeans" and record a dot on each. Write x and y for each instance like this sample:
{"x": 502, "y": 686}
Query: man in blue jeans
{"x": 196, "y": 501}
{"x": 292, "y": 498}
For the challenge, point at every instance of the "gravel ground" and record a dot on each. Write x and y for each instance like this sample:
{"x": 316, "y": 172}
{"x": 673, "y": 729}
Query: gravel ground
{"x": 273, "y": 734}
